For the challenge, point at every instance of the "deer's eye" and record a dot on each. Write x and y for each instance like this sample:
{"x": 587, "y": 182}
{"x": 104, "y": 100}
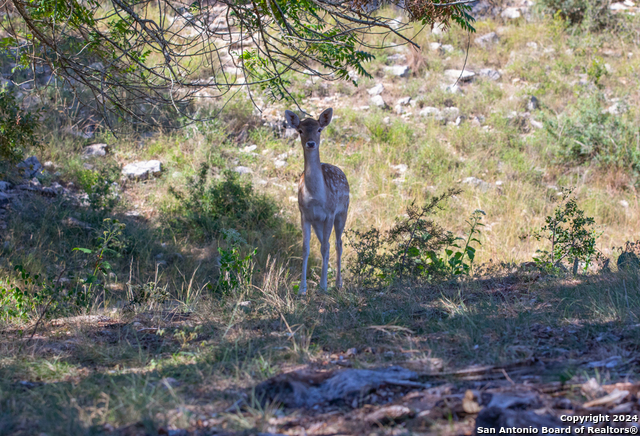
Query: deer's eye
{"x": 300, "y": 131}
{"x": 319, "y": 130}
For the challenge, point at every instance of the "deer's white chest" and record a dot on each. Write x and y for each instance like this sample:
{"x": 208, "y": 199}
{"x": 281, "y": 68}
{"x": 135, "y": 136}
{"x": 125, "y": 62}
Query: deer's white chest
{"x": 313, "y": 207}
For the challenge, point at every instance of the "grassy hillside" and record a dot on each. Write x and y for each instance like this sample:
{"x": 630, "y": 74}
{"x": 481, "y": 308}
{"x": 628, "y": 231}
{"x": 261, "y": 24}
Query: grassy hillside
{"x": 168, "y": 341}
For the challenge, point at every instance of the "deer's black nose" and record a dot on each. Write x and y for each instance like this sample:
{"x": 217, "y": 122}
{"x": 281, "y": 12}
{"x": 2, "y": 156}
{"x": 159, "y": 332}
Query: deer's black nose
{"x": 311, "y": 144}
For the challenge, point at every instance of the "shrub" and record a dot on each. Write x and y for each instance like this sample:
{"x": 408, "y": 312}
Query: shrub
{"x": 571, "y": 234}
{"x": 628, "y": 260}
{"x": 415, "y": 247}
{"x": 34, "y": 295}
{"x": 592, "y": 15}
{"x": 17, "y": 128}
{"x": 236, "y": 270}
{"x": 101, "y": 187}
{"x": 206, "y": 206}
{"x": 590, "y": 133}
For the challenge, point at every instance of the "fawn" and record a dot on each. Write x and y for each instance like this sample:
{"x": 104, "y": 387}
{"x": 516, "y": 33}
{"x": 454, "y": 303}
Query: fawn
{"x": 323, "y": 196}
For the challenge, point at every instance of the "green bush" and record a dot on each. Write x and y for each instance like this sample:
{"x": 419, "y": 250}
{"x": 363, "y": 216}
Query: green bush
{"x": 101, "y": 187}
{"x": 588, "y": 132}
{"x": 415, "y": 247}
{"x": 17, "y": 128}
{"x": 571, "y": 234}
{"x": 207, "y": 206}
{"x": 236, "y": 270}
{"x": 592, "y": 15}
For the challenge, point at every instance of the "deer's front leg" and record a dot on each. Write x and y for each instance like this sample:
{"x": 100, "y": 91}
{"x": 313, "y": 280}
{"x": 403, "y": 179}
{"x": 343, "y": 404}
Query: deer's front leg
{"x": 306, "y": 241}
{"x": 324, "y": 250}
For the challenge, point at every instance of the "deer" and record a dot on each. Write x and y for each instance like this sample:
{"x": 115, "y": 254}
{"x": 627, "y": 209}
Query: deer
{"x": 323, "y": 197}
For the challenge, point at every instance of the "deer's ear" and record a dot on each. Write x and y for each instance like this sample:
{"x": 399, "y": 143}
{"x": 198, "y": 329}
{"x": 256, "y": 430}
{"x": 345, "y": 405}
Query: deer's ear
{"x": 292, "y": 119}
{"x": 325, "y": 117}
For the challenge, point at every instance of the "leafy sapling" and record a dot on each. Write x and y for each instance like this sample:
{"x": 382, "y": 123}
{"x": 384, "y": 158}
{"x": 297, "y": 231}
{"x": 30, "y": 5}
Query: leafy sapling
{"x": 572, "y": 236}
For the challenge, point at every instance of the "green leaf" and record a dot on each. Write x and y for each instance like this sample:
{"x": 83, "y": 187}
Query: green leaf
{"x": 84, "y": 250}
{"x": 413, "y": 252}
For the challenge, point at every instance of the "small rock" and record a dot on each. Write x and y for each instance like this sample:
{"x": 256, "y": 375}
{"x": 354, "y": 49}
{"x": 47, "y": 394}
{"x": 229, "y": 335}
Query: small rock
{"x": 243, "y": 170}
{"x": 453, "y": 89}
{"x": 511, "y": 13}
{"x": 398, "y": 70}
{"x": 142, "y": 170}
{"x": 490, "y": 74}
{"x": 451, "y": 113}
{"x": 404, "y": 101}
{"x": 57, "y": 187}
{"x": 435, "y": 46}
{"x": 487, "y": 40}
{"x": 477, "y": 121}
{"x": 462, "y": 75}
{"x": 73, "y": 222}
{"x": 388, "y": 414}
{"x": 536, "y": 124}
{"x": 386, "y": 120}
{"x": 95, "y": 150}
{"x": 618, "y": 7}
{"x": 376, "y": 90}
{"x": 248, "y": 148}
{"x": 532, "y": 104}
{"x": 433, "y": 112}
{"x": 351, "y": 352}
{"x": 378, "y": 101}
{"x": 31, "y": 167}
{"x": 97, "y": 66}
{"x": 400, "y": 168}
{"x": 399, "y": 57}
{"x": 447, "y": 48}
{"x": 532, "y": 45}
{"x": 623, "y": 203}
{"x": 615, "y": 109}
{"x": 279, "y": 163}
{"x": 478, "y": 183}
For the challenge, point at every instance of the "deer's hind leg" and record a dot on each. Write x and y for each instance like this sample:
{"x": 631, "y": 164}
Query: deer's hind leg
{"x": 339, "y": 223}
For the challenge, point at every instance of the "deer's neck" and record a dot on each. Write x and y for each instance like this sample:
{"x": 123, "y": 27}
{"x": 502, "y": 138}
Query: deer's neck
{"x": 313, "y": 177}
